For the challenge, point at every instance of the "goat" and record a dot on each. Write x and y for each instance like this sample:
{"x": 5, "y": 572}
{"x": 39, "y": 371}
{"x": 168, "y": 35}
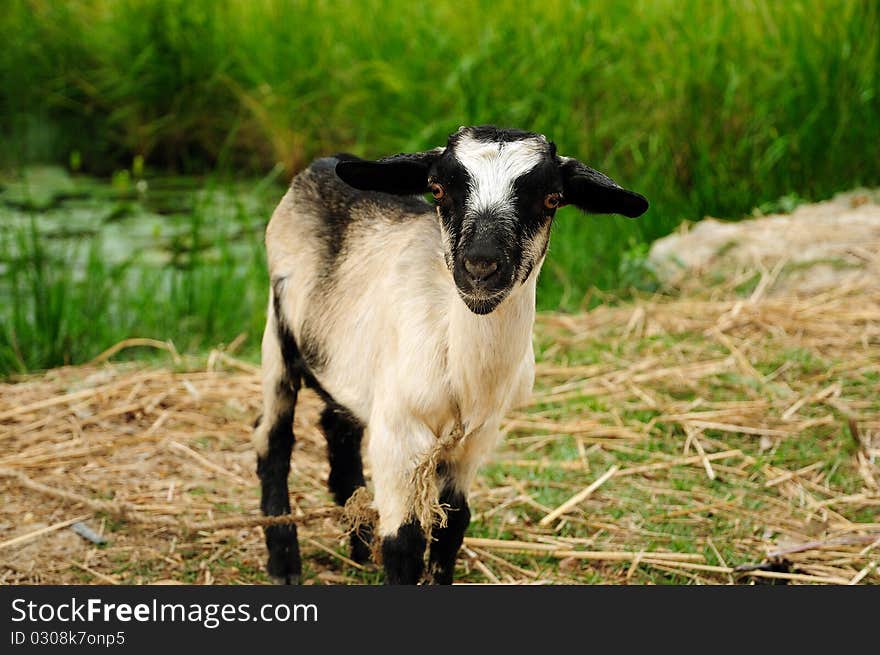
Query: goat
{"x": 409, "y": 320}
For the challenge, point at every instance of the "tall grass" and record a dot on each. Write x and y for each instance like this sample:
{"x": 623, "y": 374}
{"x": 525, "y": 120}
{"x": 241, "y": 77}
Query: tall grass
{"x": 706, "y": 107}
{"x": 63, "y": 306}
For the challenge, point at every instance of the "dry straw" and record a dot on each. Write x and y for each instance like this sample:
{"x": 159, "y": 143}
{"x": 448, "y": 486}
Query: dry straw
{"x": 159, "y": 460}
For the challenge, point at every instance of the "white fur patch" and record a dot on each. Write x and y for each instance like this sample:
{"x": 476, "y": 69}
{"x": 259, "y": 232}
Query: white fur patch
{"x": 494, "y": 167}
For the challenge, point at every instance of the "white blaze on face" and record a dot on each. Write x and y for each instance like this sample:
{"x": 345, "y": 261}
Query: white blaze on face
{"x": 494, "y": 167}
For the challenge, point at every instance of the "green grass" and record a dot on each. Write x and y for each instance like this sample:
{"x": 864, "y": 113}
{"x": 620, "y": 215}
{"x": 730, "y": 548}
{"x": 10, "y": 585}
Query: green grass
{"x": 736, "y": 518}
{"x": 731, "y": 511}
{"x": 196, "y": 277}
{"x": 705, "y": 107}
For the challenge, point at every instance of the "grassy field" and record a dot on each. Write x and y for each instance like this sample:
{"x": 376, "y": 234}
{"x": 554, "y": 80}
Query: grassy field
{"x": 85, "y": 264}
{"x": 704, "y": 107}
{"x": 729, "y": 427}
{"x": 732, "y": 431}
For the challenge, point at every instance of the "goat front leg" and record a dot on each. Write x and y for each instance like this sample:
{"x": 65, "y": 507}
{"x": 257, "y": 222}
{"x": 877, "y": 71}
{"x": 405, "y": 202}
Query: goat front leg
{"x": 395, "y": 449}
{"x": 454, "y": 478}
{"x": 447, "y": 540}
{"x": 403, "y": 554}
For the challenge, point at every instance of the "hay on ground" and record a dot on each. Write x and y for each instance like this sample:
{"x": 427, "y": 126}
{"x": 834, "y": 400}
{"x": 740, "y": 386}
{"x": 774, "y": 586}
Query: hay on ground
{"x": 686, "y": 408}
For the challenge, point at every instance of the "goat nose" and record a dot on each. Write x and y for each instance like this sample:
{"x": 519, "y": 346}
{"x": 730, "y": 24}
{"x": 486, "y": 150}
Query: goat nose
{"x": 480, "y": 268}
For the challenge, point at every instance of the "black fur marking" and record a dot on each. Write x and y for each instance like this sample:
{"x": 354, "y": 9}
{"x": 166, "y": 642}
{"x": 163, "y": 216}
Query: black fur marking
{"x": 531, "y": 189}
{"x": 294, "y": 365}
{"x": 448, "y": 540}
{"x": 403, "y": 555}
{"x": 284, "y": 562}
{"x": 477, "y": 237}
{"x": 493, "y": 134}
{"x": 296, "y": 369}
{"x": 334, "y": 202}
{"x": 341, "y": 207}
{"x": 343, "y": 431}
{"x": 313, "y": 355}
{"x": 456, "y": 180}
{"x": 344, "y": 434}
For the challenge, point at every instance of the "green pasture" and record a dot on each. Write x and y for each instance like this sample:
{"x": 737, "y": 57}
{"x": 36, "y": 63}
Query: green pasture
{"x": 174, "y": 125}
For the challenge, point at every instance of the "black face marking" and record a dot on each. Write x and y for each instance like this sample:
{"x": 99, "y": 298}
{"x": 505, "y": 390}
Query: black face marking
{"x": 491, "y": 250}
{"x": 495, "y": 231}
{"x": 535, "y": 217}
{"x": 403, "y": 555}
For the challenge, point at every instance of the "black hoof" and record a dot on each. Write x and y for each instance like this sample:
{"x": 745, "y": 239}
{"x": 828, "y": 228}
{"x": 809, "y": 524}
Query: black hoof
{"x": 284, "y": 565}
{"x": 402, "y": 555}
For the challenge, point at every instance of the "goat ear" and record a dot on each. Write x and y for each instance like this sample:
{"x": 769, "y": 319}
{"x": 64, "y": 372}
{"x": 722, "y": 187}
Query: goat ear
{"x": 403, "y": 174}
{"x": 596, "y": 193}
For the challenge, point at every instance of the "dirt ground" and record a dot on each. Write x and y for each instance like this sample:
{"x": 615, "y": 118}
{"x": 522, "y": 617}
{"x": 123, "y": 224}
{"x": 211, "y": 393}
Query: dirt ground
{"x": 726, "y": 430}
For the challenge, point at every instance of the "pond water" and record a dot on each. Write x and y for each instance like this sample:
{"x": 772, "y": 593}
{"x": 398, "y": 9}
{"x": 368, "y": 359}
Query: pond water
{"x": 153, "y": 221}
{"x": 86, "y": 263}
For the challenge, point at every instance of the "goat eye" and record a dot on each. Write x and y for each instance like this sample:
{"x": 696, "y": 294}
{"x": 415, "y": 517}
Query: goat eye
{"x": 552, "y": 200}
{"x": 437, "y": 191}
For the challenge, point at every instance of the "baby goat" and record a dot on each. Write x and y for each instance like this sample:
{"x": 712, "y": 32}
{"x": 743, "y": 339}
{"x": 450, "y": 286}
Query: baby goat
{"x": 410, "y": 320}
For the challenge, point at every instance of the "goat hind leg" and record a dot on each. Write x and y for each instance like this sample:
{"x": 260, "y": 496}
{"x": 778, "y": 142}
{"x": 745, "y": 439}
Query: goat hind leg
{"x": 273, "y": 439}
{"x": 344, "y": 434}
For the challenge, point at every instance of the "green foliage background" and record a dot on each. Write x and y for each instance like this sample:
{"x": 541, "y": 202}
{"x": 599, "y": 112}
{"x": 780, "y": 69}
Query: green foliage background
{"x": 705, "y": 107}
